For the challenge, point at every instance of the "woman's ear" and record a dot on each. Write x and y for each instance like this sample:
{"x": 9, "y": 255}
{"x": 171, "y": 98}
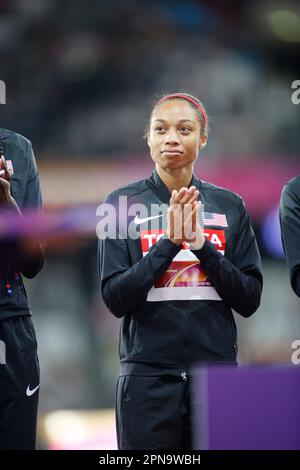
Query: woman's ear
{"x": 203, "y": 141}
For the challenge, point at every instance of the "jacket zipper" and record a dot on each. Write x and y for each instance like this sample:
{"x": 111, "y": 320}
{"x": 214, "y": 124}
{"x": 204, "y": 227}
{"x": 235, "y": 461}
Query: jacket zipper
{"x": 235, "y": 346}
{"x": 183, "y": 374}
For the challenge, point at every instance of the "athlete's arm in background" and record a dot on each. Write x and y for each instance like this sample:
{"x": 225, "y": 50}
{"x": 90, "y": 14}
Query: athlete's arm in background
{"x": 290, "y": 230}
{"x": 16, "y": 253}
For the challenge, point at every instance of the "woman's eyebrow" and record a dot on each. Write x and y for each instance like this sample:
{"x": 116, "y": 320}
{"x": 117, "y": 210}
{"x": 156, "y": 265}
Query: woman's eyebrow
{"x": 186, "y": 120}
{"x": 180, "y": 121}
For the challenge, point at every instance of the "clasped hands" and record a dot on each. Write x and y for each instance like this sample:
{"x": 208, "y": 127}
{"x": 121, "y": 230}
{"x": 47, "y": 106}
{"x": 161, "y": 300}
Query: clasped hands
{"x": 183, "y": 224}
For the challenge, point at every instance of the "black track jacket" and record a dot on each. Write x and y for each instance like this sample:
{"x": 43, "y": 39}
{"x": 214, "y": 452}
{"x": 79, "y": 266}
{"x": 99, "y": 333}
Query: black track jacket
{"x": 290, "y": 229}
{"x": 176, "y": 303}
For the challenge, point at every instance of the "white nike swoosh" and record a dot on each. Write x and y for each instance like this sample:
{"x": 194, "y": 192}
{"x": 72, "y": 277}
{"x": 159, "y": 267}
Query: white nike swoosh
{"x": 31, "y": 392}
{"x": 138, "y": 221}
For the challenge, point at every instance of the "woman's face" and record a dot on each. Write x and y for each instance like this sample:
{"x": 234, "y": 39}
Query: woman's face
{"x": 174, "y": 138}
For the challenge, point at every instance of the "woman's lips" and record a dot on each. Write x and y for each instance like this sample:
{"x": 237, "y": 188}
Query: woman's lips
{"x": 172, "y": 153}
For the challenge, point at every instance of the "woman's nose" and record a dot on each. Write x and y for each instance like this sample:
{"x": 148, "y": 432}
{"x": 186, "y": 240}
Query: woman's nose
{"x": 171, "y": 137}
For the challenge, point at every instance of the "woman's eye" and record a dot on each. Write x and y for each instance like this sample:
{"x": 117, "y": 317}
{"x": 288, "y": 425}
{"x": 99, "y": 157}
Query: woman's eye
{"x": 159, "y": 129}
{"x": 185, "y": 129}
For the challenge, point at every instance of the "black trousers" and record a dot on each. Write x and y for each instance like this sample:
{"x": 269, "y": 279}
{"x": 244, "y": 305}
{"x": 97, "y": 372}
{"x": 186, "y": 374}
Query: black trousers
{"x": 19, "y": 383}
{"x": 153, "y": 412}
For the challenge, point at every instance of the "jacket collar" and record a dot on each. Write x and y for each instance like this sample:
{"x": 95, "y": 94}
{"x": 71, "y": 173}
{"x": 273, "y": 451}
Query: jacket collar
{"x": 161, "y": 189}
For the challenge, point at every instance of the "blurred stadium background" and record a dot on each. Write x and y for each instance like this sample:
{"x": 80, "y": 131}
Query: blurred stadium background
{"x": 80, "y": 80}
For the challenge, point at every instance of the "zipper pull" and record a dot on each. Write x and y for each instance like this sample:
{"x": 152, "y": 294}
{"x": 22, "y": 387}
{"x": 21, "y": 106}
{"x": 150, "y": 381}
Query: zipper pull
{"x": 183, "y": 376}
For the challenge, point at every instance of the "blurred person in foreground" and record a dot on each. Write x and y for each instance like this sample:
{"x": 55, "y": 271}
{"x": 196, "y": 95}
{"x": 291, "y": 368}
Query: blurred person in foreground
{"x": 19, "y": 367}
{"x": 290, "y": 229}
{"x": 175, "y": 283}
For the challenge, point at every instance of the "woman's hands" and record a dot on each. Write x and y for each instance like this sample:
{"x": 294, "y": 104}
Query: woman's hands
{"x": 5, "y": 177}
{"x": 183, "y": 218}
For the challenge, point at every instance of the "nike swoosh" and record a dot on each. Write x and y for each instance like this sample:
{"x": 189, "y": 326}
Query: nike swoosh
{"x": 138, "y": 221}
{"x": 31, "y": 392}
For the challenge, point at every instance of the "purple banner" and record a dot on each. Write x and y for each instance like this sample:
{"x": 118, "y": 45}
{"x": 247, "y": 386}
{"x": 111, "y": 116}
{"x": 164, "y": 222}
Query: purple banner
{"x": 247, "y": 408}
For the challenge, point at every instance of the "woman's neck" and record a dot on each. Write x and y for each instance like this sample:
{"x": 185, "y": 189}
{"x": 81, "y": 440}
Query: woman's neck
{"x": 176, "y": 179}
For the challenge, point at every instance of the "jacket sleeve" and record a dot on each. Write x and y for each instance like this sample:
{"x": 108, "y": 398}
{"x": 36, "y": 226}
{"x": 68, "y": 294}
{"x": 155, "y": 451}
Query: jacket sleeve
{"x": 290, "y": 231}
{"x": 16, "y": 254}
{"x": 124, "y": 286}
{"x": 238, "y": 282}
{"x": 31, "y": 263}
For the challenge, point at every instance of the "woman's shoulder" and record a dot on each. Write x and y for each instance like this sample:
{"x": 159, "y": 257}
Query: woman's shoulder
{"x": 15, "y": 140}
{"x": 293, "y": 186}
{"x": 128, "y": 190}
{"x": 219, "y": 191}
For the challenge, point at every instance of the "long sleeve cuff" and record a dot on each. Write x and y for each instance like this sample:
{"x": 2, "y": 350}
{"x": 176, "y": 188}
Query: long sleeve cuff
{"x": 208, "y": 251}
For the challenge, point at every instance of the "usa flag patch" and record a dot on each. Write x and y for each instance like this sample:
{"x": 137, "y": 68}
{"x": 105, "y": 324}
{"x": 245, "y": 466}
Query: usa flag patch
{"x": 210, "y": 218}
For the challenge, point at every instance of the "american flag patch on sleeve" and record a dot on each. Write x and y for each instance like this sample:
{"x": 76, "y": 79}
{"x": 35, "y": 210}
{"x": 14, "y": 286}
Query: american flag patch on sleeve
{"x": 214, "y": 219}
